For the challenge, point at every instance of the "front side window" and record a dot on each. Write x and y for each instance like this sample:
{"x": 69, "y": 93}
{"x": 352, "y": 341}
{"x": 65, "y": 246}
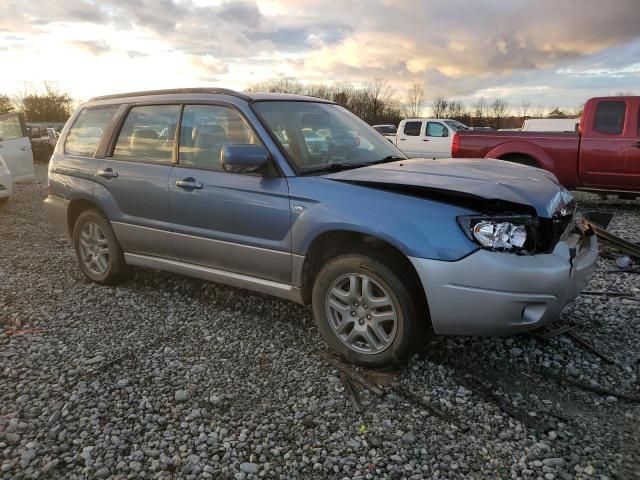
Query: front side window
{"x": 436, "y": 129}
{"x": 205, "y": 129}
{"x": 319, "y": 134}
{"x": 10, "y": 127}
{"x": 148, "y": 134}
{"x": 412, "y": 129}
{"x": 610, "y": 117}
{"x": 85, "y": 134}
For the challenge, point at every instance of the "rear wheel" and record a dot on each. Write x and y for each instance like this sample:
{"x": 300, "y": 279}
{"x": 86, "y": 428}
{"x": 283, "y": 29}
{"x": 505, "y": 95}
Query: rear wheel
{"x": 521, "y": 160}
{"x": 97, "y": 249}
{"x": 364, "y": 311}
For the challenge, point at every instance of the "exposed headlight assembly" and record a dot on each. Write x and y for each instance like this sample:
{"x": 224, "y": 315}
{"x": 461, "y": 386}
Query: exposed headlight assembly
{"x": 506, "y": 234}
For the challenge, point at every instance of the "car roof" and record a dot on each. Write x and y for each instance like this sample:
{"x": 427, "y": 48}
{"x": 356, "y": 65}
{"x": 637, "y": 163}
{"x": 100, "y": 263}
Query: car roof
{"x": 247, "y": 96}
{"x": 422, "y": 119}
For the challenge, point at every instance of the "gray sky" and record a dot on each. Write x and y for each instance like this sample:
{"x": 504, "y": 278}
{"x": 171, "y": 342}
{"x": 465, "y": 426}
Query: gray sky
{"x": 547, "y": 52}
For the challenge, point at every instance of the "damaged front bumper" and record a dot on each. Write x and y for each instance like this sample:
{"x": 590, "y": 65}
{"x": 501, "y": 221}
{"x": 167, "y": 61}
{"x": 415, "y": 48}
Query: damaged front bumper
{"x": 496, "y": 293}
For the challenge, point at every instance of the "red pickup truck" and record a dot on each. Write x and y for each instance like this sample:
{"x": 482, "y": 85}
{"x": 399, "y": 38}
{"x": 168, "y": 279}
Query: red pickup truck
{"x": 604, "y": 156}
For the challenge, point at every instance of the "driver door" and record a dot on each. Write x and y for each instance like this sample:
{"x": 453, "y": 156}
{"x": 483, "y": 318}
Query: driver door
{"x": 437, "y": 141}
{"x": 237, "y": 222}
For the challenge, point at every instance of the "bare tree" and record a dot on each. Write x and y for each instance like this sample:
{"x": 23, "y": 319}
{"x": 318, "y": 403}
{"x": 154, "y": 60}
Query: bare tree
{"x": 378, "y": 92}
{"x": 456, "y": 110}
{"x": 415, "y": 100}
{"x": 499, "y": 108}
{"x": 525, "y": 105}
{"x": 480, "y": 110}
{"x": 279, "y": 85}
{"x": 538, "y": 112}
{"x": 439, "y": 107}
{"x": 6, "y": 106}
{"x": 373, "y": 103}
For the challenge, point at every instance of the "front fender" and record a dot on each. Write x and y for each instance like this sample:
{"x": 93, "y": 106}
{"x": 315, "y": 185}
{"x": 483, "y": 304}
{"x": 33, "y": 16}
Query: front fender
{"x": 418, "y": 227}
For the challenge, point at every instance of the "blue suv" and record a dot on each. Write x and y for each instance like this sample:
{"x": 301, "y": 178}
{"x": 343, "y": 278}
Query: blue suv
{"x": 296, "y": 197}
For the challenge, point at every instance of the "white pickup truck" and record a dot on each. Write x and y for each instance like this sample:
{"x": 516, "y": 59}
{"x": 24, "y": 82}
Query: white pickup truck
{"x": 426, "y": 137}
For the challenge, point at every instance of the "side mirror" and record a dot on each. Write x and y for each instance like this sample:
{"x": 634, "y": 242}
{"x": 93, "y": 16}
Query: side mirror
{"x": 243, "y": 158}
{"x": 445, "y": 133}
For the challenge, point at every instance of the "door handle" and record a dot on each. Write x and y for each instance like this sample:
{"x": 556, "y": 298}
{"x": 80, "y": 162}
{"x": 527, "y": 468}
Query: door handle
{"x": 108, "y": 173}
{"x": 189, "y": 183}
{"x": 425, "y": 139}
{"x": 25, "y": 148}
{"x": 402, "y": 139}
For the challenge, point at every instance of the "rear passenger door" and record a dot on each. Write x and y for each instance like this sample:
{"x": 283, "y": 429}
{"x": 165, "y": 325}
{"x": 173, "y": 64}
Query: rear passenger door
{"x": 410, "y": 138}
{"x": 15, "y": 148}
{"x": 133, "y": 179}
{"x": 228, "y": 221}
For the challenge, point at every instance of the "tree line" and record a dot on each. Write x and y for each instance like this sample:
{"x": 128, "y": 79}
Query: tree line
{"x": 375, "y": 101}
{"x": 47, "y": 104}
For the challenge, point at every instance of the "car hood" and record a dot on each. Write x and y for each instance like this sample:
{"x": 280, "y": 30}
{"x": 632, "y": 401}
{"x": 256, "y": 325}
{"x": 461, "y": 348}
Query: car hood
{"x": 468, "y": 178}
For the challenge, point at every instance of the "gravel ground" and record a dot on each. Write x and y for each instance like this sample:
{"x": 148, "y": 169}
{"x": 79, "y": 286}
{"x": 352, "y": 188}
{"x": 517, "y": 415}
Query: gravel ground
{"x": 169, "y": 377}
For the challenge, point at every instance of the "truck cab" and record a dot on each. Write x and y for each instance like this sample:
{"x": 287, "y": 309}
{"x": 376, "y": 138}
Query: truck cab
{"x": 609, "y": 156}
{"x": 427, "y": 137}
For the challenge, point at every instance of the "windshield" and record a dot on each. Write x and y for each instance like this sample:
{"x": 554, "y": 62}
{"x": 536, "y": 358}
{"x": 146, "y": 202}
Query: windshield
{"x": 320, "y": 134}
{"x": 388, "y": 129}
{"x": 456, "y": 126}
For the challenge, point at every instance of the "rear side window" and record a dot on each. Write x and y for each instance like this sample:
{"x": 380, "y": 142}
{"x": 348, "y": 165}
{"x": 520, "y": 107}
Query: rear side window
{"x": 412, "y": 129}
{"x": 10, "y": 127}
{"x": 610, "y": 117}
{"x": 436, "y": 129}
{"x": 148, "y": 134}
{"x": 87, "y": 130}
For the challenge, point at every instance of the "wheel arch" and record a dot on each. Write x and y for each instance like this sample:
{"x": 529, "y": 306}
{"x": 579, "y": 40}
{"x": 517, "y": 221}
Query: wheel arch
{"x": 76, "y": 207}
{"x": 332, "y": 243}
{"x": 510, "y": 150}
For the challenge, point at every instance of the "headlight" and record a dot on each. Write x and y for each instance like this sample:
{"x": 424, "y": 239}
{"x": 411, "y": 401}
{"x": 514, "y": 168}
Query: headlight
{"x": 509, "y": 233}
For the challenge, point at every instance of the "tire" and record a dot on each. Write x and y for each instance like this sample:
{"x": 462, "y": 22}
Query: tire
{"x": 351, "y": 332}
{"x": 97, "y": 249}
{"x": 522, "y": 160}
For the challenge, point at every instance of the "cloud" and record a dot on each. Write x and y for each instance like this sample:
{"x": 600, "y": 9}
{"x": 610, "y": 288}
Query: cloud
{"x": 91, "y": 46}
{"x": 454, "y": 48}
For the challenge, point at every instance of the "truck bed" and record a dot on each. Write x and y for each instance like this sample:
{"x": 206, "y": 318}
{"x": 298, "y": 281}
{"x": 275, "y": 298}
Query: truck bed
{"x": 559, "y": 149}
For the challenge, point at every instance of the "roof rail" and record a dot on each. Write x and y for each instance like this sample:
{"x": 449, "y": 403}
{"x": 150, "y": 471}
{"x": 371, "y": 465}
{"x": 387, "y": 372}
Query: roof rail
{"x": 172, "y": 91}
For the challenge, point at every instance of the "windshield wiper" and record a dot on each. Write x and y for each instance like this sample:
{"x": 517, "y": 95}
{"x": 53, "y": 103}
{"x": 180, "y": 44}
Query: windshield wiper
{"x": 387, "y": 159}
{"x": 339, "y": 166}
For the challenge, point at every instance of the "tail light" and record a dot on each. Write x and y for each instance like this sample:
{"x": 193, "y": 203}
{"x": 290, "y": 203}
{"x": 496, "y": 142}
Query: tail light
{"x": 455, "y": 144}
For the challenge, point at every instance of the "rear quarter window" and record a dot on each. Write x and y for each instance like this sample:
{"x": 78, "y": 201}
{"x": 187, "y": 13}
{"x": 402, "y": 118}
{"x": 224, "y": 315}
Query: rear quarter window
{"x": 412, "y": 129}
{"x": 610, "y": 117}
{"x": 87, "y": 130}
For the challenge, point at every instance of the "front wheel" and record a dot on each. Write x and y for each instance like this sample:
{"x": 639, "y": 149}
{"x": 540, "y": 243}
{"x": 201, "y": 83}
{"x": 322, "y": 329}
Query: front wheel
{"x": 99, "y": 254}
{"x": 364, "y": 311}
